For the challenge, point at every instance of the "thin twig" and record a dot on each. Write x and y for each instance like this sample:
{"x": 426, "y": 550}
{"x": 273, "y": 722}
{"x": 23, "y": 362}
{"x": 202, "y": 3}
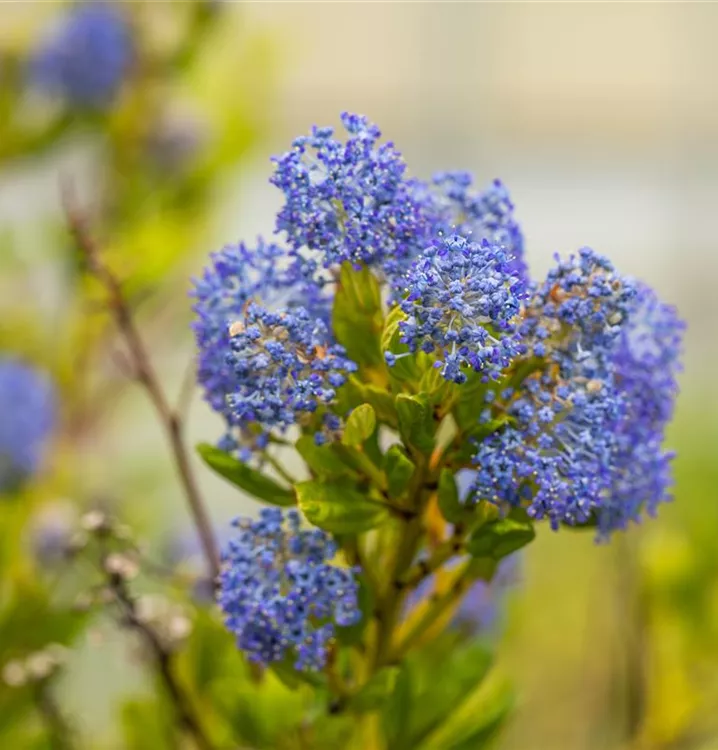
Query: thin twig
{"x": 145, "y": 375}
{"x": 162, "y": 659}
{"x": 59, "y": 731}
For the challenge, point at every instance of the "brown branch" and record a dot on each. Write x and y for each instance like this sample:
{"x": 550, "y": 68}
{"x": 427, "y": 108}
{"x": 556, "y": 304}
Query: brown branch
{"x": 59, "y": 731}
{"x": 144, "y": 374}
{"x": 163, "y": 663}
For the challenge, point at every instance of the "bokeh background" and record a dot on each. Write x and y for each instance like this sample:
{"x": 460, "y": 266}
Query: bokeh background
{"x": 602, "y": 119}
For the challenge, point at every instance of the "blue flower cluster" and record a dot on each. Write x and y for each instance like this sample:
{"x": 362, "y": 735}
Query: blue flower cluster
{"x": 579, "y": 442}
{"x": 86, "y": 58}
{"x": 462, "y": 301}
{"x": 280, "y": 592}
{"x": 28, "y": 409}
{"x": 482, "y": 215}
{"x": 579, "y": 369}
{"x": 347, "y": 201}
{"x": 284, "y": 366}
{"x": 236, "y": 275}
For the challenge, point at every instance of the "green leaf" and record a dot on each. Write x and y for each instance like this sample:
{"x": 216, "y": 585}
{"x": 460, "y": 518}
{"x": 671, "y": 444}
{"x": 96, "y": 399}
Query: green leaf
{"x": 500, "y": 538}
{"x": 293, "y": 678}
{"x": 399, "y": 470}
{"x": 146, "y": 724}
{"x": 339, "y": 508}
{"x": 250, "y": 480}
{"x": 357, "y": 315}
{"x": 416, "y": 423}
{"x": 360, "y": 425}
{"x": 375, "y": 693}
{"x": 380, "y": 399}
{"x": 405, "y": 369}
{"x": 448, "y": 495}
{"x": 397, "y": 710}
{"x": 324, "y": 460}
{"x": 463, "y": 669}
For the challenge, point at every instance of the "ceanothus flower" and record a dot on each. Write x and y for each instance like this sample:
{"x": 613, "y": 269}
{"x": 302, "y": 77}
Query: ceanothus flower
{"x": 584, "y": 432}
{"x": 280, "y": 592}
{"x": 348, "y": 201}
{"x": 236, "y": 275}
{"x": 28, "y": 409}
{"x": 646, "y": 361}
{"x": 483, "y": 215}
{"x": 462, "y": 301}
{"x": 86, "y": 57}
{"x": 285, "y": 367}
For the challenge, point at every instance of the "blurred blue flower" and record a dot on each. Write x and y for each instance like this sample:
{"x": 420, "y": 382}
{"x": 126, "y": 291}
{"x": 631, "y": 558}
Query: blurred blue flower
{"x": 28, "y": 409}
{"x": 280, "y": 592}
{"x": 86, "y": 57}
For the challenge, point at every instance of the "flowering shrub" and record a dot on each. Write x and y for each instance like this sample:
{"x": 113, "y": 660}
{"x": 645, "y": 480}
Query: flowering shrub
{"x": 403, "y": 399}
{"x": 395, "y": 373}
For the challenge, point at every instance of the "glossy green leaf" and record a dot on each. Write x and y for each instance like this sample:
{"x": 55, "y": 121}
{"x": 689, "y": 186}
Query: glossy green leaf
{"x": 405, "y": 369}
{"x": 399, "y": 469}
{"x": 380, "y": 399}
{"x": 357, "y": 315}
{"x": 339, "y": 508}
{"x": 416, "y": 423}
{"x": 448, "y": 496}
{"x": 246, "y": 478}
{"x": 324, "y": 460}
{"x": 498, "y": 539}
{"x": 360, "y": 425}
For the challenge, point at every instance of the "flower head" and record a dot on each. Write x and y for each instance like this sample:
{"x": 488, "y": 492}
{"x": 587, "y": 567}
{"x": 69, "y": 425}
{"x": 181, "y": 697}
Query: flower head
{"x": 28, "y": 408}
{"x": 236, "y": 275}
{"x": 284, "y": 366}
{"x": 482, "y": 215}
{"x": 86, "y": 58}
{"x": 585, "y": 426}
{"x": 281, "y": 593}
{"x": 462, "y": 300}
{"x": 347, "y": 201}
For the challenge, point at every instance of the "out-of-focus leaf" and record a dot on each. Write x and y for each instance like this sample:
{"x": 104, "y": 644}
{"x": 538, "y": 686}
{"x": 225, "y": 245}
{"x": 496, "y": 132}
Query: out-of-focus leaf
{"x": 357, "y": 315}
{"x": 324, "y": 460}
{"x": 448, "y": 497}
{"x": 373, "y": 695}
{"x": 396, "y": 716}
{"x": 360, "y": 425}
{"x": 339, "y": 508}
{"x": 498, "y": 539}
{"x": 146, "y": 725}
{"x": 415, "y": 422}
{"x": 399, "y": 470}
{"x": 250, "y": 480}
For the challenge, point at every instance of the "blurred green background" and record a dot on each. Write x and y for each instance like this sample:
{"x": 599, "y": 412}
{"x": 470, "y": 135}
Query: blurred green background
{"x": 601, "y": 118}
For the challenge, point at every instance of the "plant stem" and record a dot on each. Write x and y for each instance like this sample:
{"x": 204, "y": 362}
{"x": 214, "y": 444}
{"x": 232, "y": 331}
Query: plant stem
{"x": 59, "y": 731}
{"x": 437, "y": 605}
{"x": 146, "y": 376}
{"x": 162, "y": 659}
{"x": 390, "y": 605}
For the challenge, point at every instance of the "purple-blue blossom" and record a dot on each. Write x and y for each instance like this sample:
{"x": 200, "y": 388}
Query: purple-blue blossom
{"x": 585, "y": 432}
{"x": 282, "y": 594}
{"x": 348, "y": 201}
{"x": 85, "y": 59}
{"x": 29, "y": 411}
{"x": 462, "y": 301}
{"x": 285, "y": 365}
